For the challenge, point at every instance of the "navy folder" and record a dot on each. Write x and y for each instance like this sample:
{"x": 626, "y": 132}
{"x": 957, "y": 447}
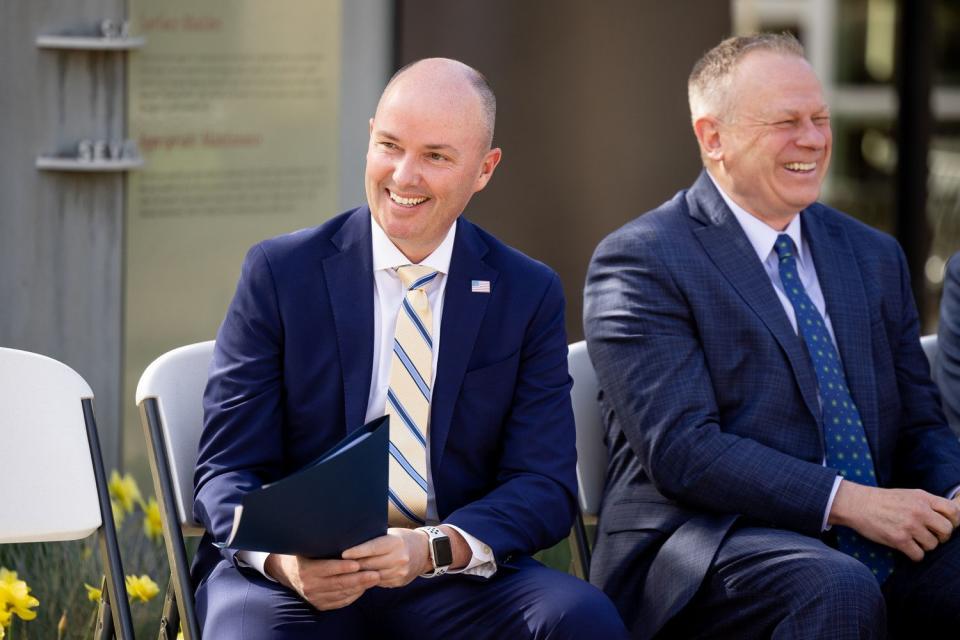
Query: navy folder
{"x": 328, "y": 506}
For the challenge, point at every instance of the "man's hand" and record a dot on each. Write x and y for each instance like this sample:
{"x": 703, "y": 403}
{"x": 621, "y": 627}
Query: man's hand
{"x": 398, "y": 557}
{"x": 326, "y": 584}
{"x": 909, "y": 520}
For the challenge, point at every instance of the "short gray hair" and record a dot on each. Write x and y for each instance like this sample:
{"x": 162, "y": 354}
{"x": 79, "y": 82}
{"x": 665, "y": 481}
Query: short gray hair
{"x": 707, "y": 88}
{"x": 488, "y": 101}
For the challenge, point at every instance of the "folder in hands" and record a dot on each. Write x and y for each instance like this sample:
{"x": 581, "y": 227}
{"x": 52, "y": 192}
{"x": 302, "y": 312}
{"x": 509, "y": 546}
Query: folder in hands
{"x": 328, "y": 506}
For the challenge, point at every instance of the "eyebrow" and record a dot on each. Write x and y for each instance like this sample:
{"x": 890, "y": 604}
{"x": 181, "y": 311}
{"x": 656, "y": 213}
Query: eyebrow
{"x": 431, "y": 147}
{"x": 824, "y": 108}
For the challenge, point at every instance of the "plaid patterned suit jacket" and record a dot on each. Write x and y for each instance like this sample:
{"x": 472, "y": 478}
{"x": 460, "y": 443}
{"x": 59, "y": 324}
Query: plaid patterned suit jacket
{"x": 710, "y": 401}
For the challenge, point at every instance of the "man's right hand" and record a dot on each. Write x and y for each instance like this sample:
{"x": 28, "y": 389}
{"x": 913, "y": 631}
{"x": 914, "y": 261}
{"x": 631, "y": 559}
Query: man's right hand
{"x": 909, "y": 520}
{"x": 326, "y": 584}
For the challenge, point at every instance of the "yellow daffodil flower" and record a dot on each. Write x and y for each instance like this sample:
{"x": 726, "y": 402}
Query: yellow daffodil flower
{"x": 15, "y": 594}
{"x": 118, "y": 514}
{"x": 124, "y": 490}
{"x": 152, "y": 526}
{"x": 5, "y": 617}
{"x": 141, "y": 588}
{"x": 93, "y": 593}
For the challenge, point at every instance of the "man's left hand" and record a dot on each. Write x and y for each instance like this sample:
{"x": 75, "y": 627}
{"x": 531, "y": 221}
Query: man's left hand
{"x": 399, "y": 557}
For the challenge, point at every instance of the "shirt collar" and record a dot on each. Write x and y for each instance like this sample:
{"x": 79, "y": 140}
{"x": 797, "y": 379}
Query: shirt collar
{"x": 386, "y": 255}
{"x": 761, "y": 235}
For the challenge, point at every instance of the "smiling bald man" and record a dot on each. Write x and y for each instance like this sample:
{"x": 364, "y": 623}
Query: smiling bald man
{"x": 402, "y": 307}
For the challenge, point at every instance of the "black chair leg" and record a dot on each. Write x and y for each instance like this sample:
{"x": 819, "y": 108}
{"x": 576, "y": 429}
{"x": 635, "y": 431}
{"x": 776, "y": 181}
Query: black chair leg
{"x": 170, "y": 616}
{"x": 583, "y": 545}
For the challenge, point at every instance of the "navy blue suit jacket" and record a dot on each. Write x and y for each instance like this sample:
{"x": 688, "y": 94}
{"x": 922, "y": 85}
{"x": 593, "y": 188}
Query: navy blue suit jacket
{"x": 292, "y": 367}
{"x": 710, "y": 400}
{"x": 946, "y": 369}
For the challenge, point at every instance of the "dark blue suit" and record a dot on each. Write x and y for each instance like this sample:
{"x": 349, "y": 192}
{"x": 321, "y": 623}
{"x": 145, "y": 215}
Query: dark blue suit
{"x": 291, "y": 375}
{"x": 711, "y": 404}
{"x": 946, "y": 370}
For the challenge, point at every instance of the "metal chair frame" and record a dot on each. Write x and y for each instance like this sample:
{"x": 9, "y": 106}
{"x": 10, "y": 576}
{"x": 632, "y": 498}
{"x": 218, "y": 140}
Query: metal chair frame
{"x": 169, "y": 466}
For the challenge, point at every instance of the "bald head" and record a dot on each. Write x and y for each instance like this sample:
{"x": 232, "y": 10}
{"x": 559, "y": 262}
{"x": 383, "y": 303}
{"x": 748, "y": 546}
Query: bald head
{"x": 444, "y": 76}
{"x": 429, "y": 152}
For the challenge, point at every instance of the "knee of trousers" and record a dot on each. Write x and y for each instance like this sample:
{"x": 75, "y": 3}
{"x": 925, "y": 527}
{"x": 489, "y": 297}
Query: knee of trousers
{"x": 841, "y": 585}
{"x": 579, "y": 611}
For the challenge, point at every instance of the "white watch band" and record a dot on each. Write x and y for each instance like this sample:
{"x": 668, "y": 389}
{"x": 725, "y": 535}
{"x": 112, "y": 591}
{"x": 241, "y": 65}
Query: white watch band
{"x": 432, "y": 533}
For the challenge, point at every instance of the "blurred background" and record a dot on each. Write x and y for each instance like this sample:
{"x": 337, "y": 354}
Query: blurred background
{"x": 148, "y": 143}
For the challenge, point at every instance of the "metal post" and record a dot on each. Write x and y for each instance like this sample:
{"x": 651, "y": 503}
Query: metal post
{"x": 914, "y": 123}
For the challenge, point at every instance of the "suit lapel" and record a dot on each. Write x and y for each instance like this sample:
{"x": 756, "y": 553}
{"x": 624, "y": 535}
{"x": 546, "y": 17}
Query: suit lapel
{"x": 463, "y": 312}
{"x": 731, "y": 251}
{"x": 839, "y": 276}
{"x": 349, "y": 275}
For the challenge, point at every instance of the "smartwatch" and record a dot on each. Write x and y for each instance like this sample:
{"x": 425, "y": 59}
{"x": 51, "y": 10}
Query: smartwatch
{"x": 441, "y": 553}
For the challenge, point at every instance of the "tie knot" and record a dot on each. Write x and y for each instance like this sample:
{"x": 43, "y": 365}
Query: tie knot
{"x": 415, "y": 276}
{"x": 784, "y": 246}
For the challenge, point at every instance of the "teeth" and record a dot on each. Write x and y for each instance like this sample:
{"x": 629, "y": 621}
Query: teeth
{"x": 801, "y": 166}
{"x": 409, "y": 202}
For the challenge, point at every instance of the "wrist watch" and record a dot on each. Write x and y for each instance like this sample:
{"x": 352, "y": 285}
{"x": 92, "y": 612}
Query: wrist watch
{"x": 441, "y": 553}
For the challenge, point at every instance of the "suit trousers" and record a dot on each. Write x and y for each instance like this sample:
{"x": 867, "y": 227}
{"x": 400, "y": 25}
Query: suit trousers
{"x": 531, "y": 601}
{"x": 773, "y": 583}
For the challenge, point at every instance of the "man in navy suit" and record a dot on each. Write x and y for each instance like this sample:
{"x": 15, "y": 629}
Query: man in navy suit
{"x": 779, "y": 464}
{"x": 305, "y": 354}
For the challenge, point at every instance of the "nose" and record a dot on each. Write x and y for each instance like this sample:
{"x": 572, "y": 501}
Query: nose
{"x": 813, "y": 135}
{"x": 406, "y": 171}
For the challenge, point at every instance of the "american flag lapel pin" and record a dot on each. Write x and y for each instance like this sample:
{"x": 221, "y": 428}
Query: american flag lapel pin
{"x": 479, "y": 286}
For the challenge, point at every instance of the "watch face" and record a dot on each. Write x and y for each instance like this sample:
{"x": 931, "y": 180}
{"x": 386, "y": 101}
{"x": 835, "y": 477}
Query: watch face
{"x": 442, "y": 553}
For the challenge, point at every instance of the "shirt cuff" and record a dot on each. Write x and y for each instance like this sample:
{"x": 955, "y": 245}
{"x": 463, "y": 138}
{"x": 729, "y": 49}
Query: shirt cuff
{"x": 953, "y": 492}
{"x": 255, "y": 560}
{"x": 482, "y": 563}
{"x": 833, "y": 494}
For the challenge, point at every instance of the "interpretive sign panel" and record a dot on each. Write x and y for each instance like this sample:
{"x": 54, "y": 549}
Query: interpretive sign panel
{"x": 234, "y": 107}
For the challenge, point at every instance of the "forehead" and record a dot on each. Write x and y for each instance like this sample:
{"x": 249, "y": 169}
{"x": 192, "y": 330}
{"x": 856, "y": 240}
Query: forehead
{"x": 430, "y": 111}
{"x": 765, "y": 81}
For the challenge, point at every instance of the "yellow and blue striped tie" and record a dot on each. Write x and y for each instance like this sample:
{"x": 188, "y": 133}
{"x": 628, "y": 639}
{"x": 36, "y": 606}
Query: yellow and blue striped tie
{"x": 408, "y": 400}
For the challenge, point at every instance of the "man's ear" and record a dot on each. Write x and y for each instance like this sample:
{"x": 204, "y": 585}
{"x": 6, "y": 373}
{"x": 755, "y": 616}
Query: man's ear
{"x": 707, "y": 130}
{"x": 490, "y": 161}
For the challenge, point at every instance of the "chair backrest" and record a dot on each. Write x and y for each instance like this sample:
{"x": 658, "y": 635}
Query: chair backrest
{"x": 49, "y": 491}
{"x": 591, "y": 451}
{"x": 54, "y": 485}
{"x": 176, "y": 381}
{"x": 929, "y": 345}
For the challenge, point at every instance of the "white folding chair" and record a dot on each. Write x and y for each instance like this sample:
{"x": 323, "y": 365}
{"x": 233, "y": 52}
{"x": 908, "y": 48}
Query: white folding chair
{"x": 929, "y": 345}
{"x": 591, "y": 451}
{"x": 55, "y": 487}
{"x": 170, "y": 398}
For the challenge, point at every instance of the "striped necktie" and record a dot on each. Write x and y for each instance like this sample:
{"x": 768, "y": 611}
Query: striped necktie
{"x": 847, "y": 449}
{"x": 408, "y": 400}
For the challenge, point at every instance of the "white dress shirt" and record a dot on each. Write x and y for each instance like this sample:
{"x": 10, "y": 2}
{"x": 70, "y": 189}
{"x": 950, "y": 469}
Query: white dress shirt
{"x": 388, "y": 295}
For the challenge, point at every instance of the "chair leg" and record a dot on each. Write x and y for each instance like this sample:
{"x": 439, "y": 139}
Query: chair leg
{"x": 170, "y": 616}
{"x": 583, "y": 545}
{"x": 109, "y": 547}
{"x": 172, "y": 534}
{"x": 104, "y": 627}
